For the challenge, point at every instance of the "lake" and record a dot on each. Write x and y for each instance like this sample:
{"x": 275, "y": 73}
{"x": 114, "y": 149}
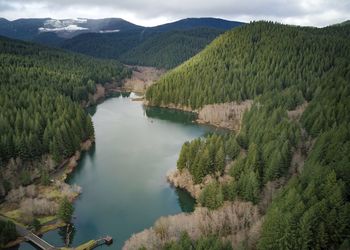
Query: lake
{"x": 123, "y": 176}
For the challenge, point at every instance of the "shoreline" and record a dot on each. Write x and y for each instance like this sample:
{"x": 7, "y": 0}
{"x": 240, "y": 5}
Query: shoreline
{"x": 68, "y": 165}
{"x": 64, "y": 169}
{"x": 219, "y": 115}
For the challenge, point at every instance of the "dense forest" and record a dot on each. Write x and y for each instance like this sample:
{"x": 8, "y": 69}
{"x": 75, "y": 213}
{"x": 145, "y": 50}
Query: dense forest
{"x": 115, "y": 38}
{"x": 280, "y": 67}
{"x": 169, "y": 49}
{"x": 251, "y": 60}
{"x": 104, "y": 45}
{"x": 163, "y": 46}
{"x": 41, "y": 92}
{"x": 144, "y": 47}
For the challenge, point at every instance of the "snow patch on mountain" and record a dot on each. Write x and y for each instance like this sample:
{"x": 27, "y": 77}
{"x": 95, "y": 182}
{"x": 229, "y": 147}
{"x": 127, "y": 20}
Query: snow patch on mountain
{"x": 108, "y": 31}
{"x": 70, "y": 25}
{"x": 69, "y": 28}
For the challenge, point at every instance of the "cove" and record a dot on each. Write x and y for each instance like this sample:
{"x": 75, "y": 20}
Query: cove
{"x": 123, "y": 175}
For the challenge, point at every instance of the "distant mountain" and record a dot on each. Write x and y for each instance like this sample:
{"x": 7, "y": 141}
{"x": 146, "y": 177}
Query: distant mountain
{"x": 33, "y": 29}
{"x": 23, "y": 29}
{"x": 110, "y": 45}
{"x": 190, "y": 23}
{"x": 347, "y": 22}
{"x": 164, "y": 46}
{"x": 169, "y": 49}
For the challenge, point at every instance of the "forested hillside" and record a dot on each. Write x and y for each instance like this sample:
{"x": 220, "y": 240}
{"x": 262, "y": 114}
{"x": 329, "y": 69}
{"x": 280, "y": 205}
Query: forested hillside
{"x": 41, "y": 91}
{"x": 167, "y": 50}
{"x": 163, "y": 46}
{"x": 146, "y": 47}
{"x": 281, "y": 68}
{"x": 104, "y": 45}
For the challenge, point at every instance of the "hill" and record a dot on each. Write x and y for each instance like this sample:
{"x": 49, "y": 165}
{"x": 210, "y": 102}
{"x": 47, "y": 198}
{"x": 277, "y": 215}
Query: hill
{"x": 290, "y": 157}
{"x": 191, "y": 23}
{"x": 42, "y": 90}
{"x": 104, "y": 45}
{"x": 169, "y": 49}
{"x": 347, "y": 22}
{"x": 115, "y": 38}
{"x": 154, "y": 46}
{"x": 34, "y": 28}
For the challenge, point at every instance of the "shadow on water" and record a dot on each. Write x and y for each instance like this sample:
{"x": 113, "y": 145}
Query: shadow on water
{"x": 85, "y": 155}
{"x": 91, "y": 152}
{"x": 186, "y": 201}
{"x": 172, "y": 115}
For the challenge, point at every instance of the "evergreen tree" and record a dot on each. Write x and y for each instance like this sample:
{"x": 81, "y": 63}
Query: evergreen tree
{"x": 65, "y": 211}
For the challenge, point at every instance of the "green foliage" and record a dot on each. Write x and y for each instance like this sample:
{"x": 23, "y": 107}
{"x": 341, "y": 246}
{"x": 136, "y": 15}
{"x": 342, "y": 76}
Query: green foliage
{"x": 66, "y": 210}
{"x": 259, "y": 58}
{"x": 41, "y": 91}
{"x": 36, "y": 225}
{"x": 104, "y": 45}
{"x": 280, "y": 67}
{"x": 314, "y": 208}
{"x": 275, "y": 134}
{"x": 169, "y": 49}
{"x": 7, "y": 232}
{"x": 232, "y": 147}
{"x": 24, "y": 177}
{"x": 211, "y": 242}
{"x": 203, "y": 156}
{"x": 212, "y": 196}
{"x": 44, "y": 177}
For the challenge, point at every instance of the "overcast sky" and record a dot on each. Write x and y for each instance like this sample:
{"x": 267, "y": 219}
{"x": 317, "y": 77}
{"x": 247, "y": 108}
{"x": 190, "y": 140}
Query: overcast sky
{"x": 153, "y": 12}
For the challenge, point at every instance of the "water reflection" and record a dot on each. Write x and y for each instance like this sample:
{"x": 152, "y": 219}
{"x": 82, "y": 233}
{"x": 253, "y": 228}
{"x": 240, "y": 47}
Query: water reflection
{"x": 172, "y": 115}
{"x": 67, "y": 234}
{"x": 186, "y": 201}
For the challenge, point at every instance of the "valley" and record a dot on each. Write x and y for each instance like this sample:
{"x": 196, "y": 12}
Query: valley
{"x": 202, "y": 133}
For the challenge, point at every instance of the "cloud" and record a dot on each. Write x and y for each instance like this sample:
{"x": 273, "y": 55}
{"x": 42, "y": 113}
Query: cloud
{"x": 152, "y": 12}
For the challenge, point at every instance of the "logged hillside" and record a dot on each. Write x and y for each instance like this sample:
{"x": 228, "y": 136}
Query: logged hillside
{"x": 293, "y": 145}
{"x": 167, "y": 50}
{"x": 41, "y": 92}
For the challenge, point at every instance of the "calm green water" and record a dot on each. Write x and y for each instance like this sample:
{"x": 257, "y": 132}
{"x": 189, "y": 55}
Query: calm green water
{"x": 123, "y": 175}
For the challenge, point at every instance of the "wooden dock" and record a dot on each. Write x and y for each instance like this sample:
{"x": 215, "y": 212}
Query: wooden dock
{"x": 108, "y": 240}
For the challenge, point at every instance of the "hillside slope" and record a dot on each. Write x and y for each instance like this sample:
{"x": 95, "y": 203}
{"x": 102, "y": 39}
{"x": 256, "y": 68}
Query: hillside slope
{"x": 37, "y": 29}
{"x": 163, "y": 46}
{"x": 293, "y": 145}
{"x": 42, "y": 90}
{"x": 169, "y": 49}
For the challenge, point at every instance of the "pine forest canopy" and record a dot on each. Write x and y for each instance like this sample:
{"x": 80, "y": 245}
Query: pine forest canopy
{"x": 41, "y": 91}
{"x": 280, "y": 67}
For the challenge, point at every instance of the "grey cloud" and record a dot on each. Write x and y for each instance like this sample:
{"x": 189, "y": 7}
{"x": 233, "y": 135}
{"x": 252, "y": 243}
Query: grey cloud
{"x": 175, "y": 9}
{"x": 5, "y": 6}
